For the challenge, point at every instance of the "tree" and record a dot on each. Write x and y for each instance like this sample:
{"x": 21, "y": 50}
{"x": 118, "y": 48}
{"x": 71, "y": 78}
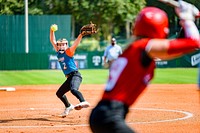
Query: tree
{"x": 113, "y": 17}
{"x": 16, "y": 7}
{"x": 11, "y": 7}
{"x": 109, "y": 15}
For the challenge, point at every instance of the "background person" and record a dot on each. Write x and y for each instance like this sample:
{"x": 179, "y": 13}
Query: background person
{"x": 111, "y": 53}
{"x": 134, "y": 69}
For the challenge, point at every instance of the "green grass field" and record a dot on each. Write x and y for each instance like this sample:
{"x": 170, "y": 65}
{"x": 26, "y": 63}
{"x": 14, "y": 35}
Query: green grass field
{"x": 93, "y": 76}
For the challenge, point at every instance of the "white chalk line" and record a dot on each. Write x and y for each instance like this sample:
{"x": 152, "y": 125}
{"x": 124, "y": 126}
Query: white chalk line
{"x": 187, "y": 116}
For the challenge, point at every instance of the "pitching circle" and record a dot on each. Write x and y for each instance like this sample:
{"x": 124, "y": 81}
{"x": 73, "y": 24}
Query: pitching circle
{"x": 186, "y": 115}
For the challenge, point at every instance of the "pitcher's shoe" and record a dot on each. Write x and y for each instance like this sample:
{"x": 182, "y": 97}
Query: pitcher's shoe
{"x": 67, "y": 110}
{"x": 81, "y": 105}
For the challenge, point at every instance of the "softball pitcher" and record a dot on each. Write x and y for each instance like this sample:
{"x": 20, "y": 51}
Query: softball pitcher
{"x": 69, "y": 68}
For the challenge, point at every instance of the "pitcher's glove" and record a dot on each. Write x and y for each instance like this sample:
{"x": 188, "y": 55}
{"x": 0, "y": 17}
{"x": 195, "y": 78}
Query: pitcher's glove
{"x": 88, "y": 29}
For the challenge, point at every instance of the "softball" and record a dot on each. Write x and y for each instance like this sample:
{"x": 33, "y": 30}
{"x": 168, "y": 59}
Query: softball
{"x": 54, "y": 27}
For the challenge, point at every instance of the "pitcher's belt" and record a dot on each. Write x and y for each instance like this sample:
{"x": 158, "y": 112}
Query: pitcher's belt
{"x": 71, "y": 73}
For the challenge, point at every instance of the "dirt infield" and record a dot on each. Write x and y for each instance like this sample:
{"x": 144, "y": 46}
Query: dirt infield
{"x": 161, "y": 109}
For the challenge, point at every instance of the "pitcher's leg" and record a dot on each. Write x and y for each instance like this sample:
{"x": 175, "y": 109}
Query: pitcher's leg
{"x": 64, "y": 88}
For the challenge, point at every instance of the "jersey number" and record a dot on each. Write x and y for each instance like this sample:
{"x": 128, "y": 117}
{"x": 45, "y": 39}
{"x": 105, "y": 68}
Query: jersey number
{"x": 115, "y": 71}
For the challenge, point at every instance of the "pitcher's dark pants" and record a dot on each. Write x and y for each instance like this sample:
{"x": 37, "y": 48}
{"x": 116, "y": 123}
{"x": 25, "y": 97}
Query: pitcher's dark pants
{"x": 71, "y": 84}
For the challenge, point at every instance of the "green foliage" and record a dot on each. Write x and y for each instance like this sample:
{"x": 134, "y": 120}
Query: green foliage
{"x": 91, "y": 44}
{"x": 109, "y": 15}
{"x": 12, "y": 7}
{"x": 88, "y": 44}
{"x": 34, "y": 11}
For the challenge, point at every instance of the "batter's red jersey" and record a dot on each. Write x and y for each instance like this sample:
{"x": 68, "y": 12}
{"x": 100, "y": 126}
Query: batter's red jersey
{"x": 128, "y": 74}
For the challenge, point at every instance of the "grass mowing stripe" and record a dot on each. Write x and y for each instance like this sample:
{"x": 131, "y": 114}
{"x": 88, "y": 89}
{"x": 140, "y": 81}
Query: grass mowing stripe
{"x": 35, "y": 77}
{"x": 93, "y": 76}
{"x": 96, "y": 76}
{"x": 30, "y": 77}
{"x": 176, "y": 76}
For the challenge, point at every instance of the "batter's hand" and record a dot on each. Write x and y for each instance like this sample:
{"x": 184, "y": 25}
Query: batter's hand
{"x": 186, "y": 11}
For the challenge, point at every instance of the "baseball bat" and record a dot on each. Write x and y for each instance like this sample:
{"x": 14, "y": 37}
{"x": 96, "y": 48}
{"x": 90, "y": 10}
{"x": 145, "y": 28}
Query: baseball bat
{"x": 174, "y": 3}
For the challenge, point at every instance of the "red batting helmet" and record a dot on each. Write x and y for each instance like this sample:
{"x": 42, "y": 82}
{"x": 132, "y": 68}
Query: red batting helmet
{"x": 151, "y": 22}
